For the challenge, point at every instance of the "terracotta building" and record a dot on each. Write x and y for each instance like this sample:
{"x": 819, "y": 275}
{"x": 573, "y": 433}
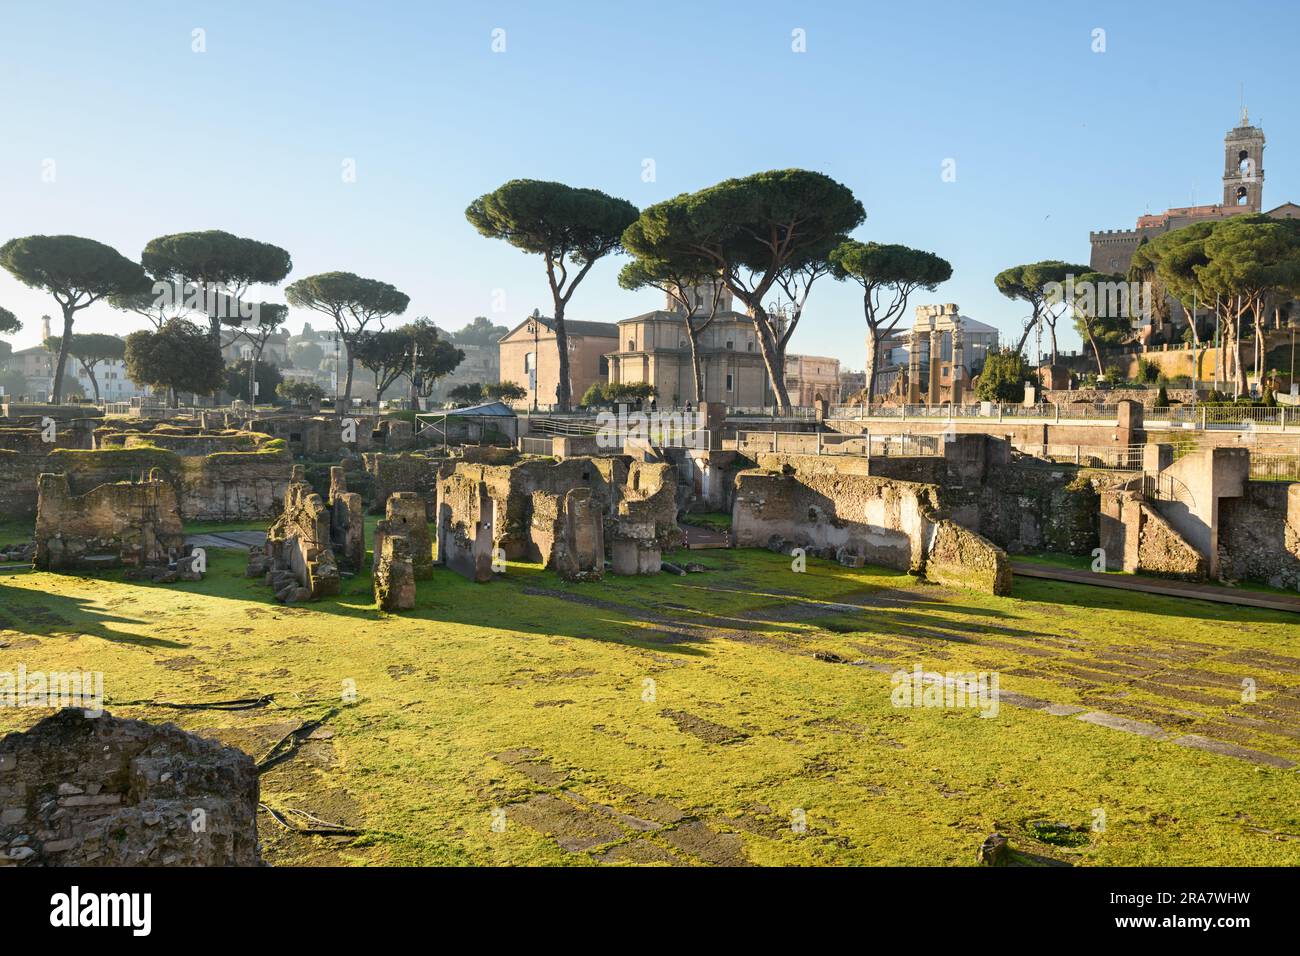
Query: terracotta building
{"x": 529, "y": 358}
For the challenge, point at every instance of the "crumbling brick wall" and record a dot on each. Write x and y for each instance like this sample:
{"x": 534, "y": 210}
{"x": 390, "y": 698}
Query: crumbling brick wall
{"x": 405, "y": 515}
{"x": 394, "y": 574}
{"x": 347, "y": 523}
{"x": 962, "y": 558}
{"x": 224, "y": 486}
{"x": 101, "y": 791}
{"x": 522, "y": 504}
{"x": 1259, "y": 534}
{"x": 1134, "y": 537}
{"x": 233, "y": 486}
{"x": 132, "y": 523}
{"x": 878, "y": 518}
{"x": 390, "y": 474}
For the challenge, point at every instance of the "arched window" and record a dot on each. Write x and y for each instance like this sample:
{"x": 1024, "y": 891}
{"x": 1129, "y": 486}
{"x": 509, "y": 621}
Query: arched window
{"x": 1242, "y": 198}
{"x": 1244, "y": 165}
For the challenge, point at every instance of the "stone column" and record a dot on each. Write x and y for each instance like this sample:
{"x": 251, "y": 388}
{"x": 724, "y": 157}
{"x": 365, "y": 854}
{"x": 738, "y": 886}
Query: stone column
{"x": 914, "y": 368}
{"x": 958, "y": 361}
{"x": 936, "y": 363}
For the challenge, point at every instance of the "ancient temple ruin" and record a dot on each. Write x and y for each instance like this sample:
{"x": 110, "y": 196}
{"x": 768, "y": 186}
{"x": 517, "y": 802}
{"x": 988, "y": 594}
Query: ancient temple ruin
{"x": 933, "y": 322}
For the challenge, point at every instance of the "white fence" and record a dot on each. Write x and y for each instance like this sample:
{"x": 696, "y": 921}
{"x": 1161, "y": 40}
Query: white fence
{"x": 1196, "y": 416}
{"x": 837, "y": 443}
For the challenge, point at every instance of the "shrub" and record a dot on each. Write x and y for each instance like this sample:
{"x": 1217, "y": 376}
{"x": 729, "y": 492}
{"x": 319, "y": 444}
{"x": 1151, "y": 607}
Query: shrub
{"x": 300, "y": 393}
{"x": 1003, "y": 377}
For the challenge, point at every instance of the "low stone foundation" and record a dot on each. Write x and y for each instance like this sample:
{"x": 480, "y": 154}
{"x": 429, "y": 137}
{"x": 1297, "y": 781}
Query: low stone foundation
{"x": 102, "y": 791}
{"x": 857, "y": 518}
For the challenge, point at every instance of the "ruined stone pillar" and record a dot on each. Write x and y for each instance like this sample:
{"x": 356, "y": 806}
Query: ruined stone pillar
{"x": 958, "y": 361}
{"x": 936, "y": 364}
{"x": 914, "y": 368}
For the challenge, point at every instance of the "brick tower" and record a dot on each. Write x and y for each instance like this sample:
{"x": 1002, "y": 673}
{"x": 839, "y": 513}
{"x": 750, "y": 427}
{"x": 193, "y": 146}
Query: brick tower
{"x": 1243, "y": 167}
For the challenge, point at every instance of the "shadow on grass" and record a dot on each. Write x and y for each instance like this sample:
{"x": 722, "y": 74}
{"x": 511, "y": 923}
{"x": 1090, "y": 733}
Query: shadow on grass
{"x": 1096, "y": 597}
{"x": 40, "y": 614}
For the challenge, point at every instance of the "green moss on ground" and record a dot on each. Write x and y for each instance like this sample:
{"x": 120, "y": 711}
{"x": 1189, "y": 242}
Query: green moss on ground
{"x": 741, "y": 727}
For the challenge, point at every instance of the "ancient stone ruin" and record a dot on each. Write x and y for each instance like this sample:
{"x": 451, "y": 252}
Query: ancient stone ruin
{"x": 466, "y": 513}
{"x": 298, "y": 559}
{"x": 569, "y": 515}
{"x": 77, "y": 790}
{"x": 860, "y": 518}
{"x": 347, "y": 523}
{"x": 120, "y": 523}
{"x": 394, "y": 574}
{"x": 568, "y": 530}
{"x": 403, "y": 551}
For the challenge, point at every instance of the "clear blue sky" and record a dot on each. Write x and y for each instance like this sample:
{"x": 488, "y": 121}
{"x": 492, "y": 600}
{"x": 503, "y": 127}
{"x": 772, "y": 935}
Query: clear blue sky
{"x": 1050, "y": 139}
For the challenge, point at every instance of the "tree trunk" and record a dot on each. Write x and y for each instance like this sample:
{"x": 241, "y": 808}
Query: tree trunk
{"x": 64, "y": 344}
{"x": 1024, "y": 336}
{"x": 1052, "y": 329}
{"x": 563, "y": 396}
{"x": 869, "y": 374}
{"x": 1238, "y": 367}
{"x": 1096, "y": 352}
{"x": 773, "y": 359}
{"x": 692, "y": 336}
{"x": 347, "y": 387}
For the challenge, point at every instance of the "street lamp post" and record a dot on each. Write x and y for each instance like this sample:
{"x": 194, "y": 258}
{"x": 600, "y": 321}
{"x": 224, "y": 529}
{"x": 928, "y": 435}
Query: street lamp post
{"x": 1293, "y": 323}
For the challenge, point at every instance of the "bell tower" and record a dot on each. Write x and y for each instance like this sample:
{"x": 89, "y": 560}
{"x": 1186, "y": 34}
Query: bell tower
{"x": 1243, "y": 167}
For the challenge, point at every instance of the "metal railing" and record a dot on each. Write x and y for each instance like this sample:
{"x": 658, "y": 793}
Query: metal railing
{"x": 1165, "y": 487}
{"x": 839, "y": 443}
{"x": 1199, "y": 415}
{"x": 770, "y": 411}
{"x": 1117, "y": 457}
{"x": 1274, "y": 467}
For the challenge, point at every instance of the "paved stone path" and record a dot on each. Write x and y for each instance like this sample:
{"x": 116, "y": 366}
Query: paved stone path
{"x": 1132, "y": 582}
{"x": 239, "y": 540}
{"x": 1111, "y": 721}
{"x": 698, "y": 538}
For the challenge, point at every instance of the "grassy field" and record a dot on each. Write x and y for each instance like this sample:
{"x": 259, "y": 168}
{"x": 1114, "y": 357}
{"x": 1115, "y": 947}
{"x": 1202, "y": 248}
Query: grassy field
{"x": 693, "y": 720}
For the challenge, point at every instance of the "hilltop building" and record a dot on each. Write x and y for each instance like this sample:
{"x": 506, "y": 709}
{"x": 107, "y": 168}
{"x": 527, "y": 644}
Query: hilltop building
{"x": 1243, "y": 192}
